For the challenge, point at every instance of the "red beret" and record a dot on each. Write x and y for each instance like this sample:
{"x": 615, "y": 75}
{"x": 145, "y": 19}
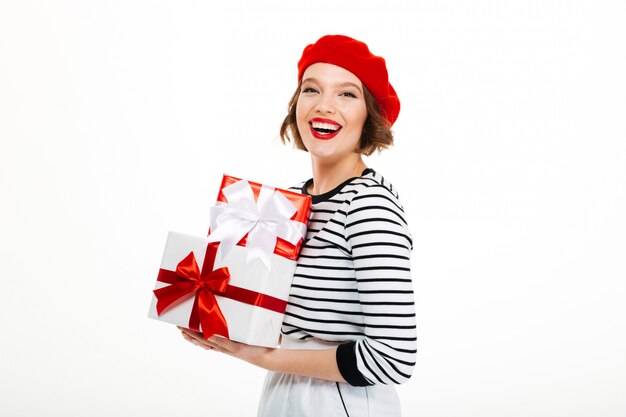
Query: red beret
{"x": 356, "y": 57}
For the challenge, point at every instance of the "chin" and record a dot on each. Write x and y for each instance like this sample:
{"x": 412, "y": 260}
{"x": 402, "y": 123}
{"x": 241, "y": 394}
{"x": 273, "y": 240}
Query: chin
{"x": 327, "y": 157}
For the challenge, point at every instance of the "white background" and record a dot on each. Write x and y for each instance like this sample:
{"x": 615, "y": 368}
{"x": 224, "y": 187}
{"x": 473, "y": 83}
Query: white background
{"x": 118, "y": 118}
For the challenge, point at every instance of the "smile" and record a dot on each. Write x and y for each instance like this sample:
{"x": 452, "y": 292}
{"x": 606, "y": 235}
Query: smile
{"x": 324, "y": 128}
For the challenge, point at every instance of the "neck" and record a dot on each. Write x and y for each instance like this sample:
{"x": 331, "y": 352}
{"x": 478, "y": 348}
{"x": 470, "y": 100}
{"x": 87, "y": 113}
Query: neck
{"x": 327, "y": 176}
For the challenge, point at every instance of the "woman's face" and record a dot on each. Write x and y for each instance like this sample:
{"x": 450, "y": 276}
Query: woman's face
{"x": 330, "y": 112}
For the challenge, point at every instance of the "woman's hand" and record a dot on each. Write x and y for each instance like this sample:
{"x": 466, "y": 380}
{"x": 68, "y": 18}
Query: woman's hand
{"x": 255, "y": 355}
{"x": 316, "y": 363}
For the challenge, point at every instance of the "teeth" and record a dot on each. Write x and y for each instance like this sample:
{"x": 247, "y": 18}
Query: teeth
{"x": 325, "y": 126}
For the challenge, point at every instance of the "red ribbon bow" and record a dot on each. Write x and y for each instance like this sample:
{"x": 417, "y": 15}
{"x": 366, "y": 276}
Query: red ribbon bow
{"x": 205, "y": 283}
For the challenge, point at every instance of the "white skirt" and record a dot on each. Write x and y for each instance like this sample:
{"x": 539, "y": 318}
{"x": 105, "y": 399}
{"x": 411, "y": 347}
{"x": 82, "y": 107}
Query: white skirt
{"x": 286, "y": 395}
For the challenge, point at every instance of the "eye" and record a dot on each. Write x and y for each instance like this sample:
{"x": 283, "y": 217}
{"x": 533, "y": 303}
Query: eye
{"x": 309, "y": 90}
{"x": 348, "y": 94}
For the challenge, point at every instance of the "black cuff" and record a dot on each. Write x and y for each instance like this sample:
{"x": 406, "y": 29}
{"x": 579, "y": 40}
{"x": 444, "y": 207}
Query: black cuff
{"x": 346, "y": 362}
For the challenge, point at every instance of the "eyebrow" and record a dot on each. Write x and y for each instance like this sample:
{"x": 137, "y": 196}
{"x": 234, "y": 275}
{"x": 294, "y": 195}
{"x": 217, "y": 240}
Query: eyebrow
{"x": 346, "y": 84}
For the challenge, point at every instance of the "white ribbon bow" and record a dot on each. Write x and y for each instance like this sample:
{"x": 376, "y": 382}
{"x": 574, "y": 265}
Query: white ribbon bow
{"x": 264, "y": 221}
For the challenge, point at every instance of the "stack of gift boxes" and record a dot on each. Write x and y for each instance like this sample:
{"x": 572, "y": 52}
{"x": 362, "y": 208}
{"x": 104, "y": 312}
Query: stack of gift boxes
{"x": 235, "y": 282}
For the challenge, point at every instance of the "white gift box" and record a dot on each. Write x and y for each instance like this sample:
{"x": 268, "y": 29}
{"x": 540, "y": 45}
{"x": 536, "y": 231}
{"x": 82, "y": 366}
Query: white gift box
{"x": 246, "y": 323}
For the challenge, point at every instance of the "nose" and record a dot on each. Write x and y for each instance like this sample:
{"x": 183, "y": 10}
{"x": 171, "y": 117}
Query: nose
{"x": 325, "y": 104}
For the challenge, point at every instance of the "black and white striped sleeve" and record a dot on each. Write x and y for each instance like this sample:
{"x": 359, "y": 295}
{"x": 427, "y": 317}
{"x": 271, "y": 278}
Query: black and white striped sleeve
{"x": 380, "y": 243}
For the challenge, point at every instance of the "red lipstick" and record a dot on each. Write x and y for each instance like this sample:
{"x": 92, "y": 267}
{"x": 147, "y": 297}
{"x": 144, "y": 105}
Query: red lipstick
{"x": 326, "y": 132}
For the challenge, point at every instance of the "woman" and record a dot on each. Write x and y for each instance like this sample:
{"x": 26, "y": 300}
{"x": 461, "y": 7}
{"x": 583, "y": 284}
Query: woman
{"x": 349, "y": 330}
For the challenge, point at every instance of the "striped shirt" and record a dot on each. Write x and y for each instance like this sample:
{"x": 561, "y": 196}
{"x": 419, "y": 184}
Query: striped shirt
{"x": 353, "y": 283}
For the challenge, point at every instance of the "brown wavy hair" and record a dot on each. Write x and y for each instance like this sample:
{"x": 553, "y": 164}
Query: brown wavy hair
{"x": 376, "y": 135}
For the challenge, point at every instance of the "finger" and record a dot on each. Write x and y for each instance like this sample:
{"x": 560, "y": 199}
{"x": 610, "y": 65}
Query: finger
{"x": 194, "y": 338}
{"x": 186, "y": 330}
{"x": 209, "y": 344}
{"x": 192, "y": 334}
{"x": 202, "y": 345}
{"x": 224, "y": 343}
{"x": 186, "y": 337}
{"x": 198, "y": 340}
